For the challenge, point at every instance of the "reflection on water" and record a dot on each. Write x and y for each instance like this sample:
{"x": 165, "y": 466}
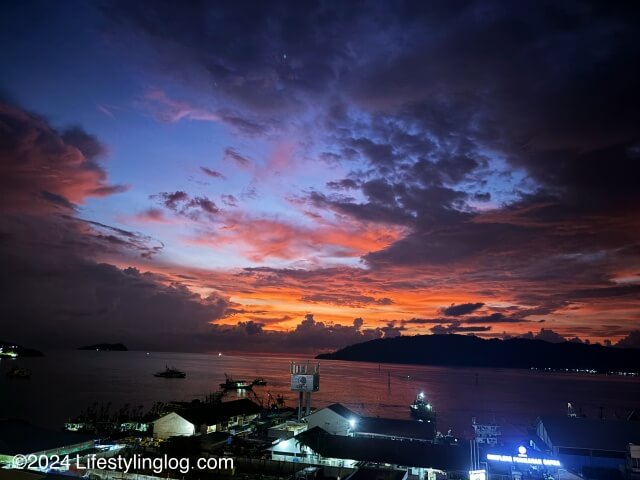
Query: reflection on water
{"x": 66, "y": 382}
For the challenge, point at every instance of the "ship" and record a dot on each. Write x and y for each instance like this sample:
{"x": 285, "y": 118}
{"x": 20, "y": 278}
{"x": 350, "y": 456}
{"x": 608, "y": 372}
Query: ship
{"x": 231, "y": 384}
{"x": 259, "y": 381}
{"x": 170, "y": 373}
{"x": 17, "y": 372}
{"x": 421, "y": 409}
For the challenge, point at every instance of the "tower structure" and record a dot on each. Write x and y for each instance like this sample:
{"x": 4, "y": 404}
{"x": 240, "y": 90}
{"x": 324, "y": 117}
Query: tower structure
{"x": 305, "y": 379}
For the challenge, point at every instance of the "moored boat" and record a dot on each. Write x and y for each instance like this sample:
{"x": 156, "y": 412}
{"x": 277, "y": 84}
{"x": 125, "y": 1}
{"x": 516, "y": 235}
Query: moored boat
{"x": 231, "y": 384}
{"x": 170, "y": 373}
{"x": 421, "y": 409}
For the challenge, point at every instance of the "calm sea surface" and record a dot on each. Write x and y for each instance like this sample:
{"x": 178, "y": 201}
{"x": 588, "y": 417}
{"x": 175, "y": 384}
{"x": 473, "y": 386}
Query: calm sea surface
{"x": 66, "y": 382}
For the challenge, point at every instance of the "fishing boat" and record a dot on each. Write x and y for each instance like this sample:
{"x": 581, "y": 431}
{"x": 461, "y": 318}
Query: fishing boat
{"x": 17, "y": 372}
{"x": 421, "y": 409}
{"x": 231, "y": 384}
{"x": 259, "y": 381}
{"x": 170, "y": 373}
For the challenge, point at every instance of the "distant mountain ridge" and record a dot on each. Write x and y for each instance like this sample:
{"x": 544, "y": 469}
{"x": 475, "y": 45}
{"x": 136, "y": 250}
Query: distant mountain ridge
{"x": 471, "y": 351}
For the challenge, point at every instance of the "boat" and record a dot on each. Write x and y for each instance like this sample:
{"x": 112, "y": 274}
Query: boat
{"x": 421, "y": 409}
{"x": 231, "y": 384}
{"x": 259, "y": 381}
{"x": 17, "y": 372}
{"x": 170, "y": 373}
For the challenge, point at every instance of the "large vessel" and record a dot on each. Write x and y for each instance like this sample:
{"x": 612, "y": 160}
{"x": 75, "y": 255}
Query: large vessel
{"x": 170, "y": 373}
{"x": 421, "y": 409}
{"x": 231, "y": 384}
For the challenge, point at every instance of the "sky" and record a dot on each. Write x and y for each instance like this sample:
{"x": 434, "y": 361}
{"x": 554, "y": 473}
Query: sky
{"x": 300, "y": 176}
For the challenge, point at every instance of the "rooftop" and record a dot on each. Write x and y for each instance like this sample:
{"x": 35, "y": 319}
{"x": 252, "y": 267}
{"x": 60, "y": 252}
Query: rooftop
{"x": 590, "y": 433}
{"x": 395, "y": 428}
{"x": 212, "y": 414}
{"x": 382, "y": 450}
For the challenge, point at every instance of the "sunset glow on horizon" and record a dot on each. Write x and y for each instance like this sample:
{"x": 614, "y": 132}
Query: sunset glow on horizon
{"x": 307, "y": 176}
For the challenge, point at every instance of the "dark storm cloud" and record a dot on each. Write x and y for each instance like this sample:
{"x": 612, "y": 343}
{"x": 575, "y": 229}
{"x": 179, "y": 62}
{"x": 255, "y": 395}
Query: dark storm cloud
{"x": 68, "y": 301}
{"x": 309, "y": 335}
{"x": 263, "y": 57}
{"x": 461, "y": 309}
{"x": 55, "y": 292}
{"x": 444, "y": 83}
{"x": 580, "y": 154}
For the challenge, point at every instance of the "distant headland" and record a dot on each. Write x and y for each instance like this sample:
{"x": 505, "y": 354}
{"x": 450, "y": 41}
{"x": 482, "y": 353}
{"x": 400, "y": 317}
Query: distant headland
{"x": 471, "y": 351}
{"x": 10, "y": 349}
{"x": 109, "y": 347}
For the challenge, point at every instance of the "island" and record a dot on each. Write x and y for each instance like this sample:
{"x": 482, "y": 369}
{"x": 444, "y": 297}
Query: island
{"x": 107, "y": 347}
{"x": 13, "y": 350}
{"x": 471, "y": 351}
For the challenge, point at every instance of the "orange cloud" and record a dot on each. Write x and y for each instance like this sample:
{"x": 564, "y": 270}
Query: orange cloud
{"x": 260, "y": 238}
{"x": 46, "y": 169}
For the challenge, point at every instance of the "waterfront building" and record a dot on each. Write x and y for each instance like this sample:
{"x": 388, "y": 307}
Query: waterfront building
{"x": 339, "y": 437}
{"x": 233, "y": 417}
{"x": 588, "y": 446}
{"x": 518, "y": 463}
{"x": 337, "y": 419}
{"x": 422, "y": 459}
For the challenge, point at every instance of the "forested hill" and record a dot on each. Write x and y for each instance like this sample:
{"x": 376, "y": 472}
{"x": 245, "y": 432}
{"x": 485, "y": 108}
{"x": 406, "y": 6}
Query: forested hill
{"x": 471, "y": 351}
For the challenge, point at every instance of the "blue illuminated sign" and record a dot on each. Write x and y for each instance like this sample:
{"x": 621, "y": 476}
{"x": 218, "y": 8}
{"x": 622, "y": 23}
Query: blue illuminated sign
{"x": 549, "y": 462}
